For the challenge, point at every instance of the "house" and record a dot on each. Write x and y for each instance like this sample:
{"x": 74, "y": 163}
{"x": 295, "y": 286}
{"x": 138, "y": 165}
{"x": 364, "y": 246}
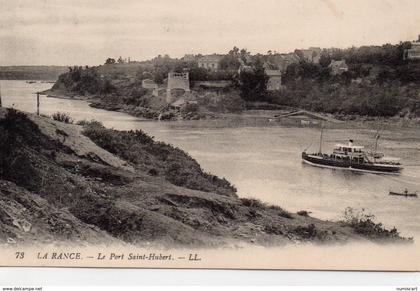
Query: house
{"x": 274, "y": 79}
{"x": 189, "y": 58}
{"x": 316, "y": 54}
{"x": 210, "y": 62}
{"x": 311, "y": 55}
{"x": 338, "y": 67}
{"x": 282, "y": 61}
{"x": 414, "y": 52}
{"x": 244, "y": 67}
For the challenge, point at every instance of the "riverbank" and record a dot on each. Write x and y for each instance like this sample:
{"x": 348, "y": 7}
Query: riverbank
{"x": 133, "y": 189}
{"x": 159, "y": 111}
{"x": 249, "y": 117}
{"x": 64, "y": 95}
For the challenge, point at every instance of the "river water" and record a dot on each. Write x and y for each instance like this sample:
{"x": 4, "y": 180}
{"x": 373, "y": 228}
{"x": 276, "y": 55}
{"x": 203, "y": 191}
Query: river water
{"x": 263, "y": 160}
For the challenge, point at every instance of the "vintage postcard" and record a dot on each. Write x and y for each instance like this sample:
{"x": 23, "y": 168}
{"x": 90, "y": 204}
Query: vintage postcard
{"x": 238, "y": 134}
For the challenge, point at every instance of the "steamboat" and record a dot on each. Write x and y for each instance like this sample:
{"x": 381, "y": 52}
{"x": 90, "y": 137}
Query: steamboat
{"x": 353, "y": 157}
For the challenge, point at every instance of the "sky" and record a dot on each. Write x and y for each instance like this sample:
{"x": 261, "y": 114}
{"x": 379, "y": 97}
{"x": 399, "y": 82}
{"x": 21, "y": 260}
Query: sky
{"x": 86, "y": 32}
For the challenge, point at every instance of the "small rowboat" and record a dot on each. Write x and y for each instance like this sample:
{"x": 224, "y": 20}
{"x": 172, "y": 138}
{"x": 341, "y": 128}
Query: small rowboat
{"x": 404, "y": 193}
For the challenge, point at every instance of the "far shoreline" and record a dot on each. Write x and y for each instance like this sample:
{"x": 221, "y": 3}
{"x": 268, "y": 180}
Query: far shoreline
{"x": 262, "y": 116}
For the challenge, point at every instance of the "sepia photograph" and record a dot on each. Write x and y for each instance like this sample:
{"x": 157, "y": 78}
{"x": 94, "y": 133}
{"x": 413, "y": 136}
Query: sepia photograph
{"x": 235, "y": 134}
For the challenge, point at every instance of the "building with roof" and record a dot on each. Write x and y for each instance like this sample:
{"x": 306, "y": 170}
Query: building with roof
{"x": 282, "y": 61}
{"x": 311, "y": 55}
{"x": 189, "y": 58}
{"x": 274, "y": 79}
{"x": 338, "y": 67}
{"x": 209, "y": 62}
{"x": 243, "y": 67}
{"x": 414, "y": 52}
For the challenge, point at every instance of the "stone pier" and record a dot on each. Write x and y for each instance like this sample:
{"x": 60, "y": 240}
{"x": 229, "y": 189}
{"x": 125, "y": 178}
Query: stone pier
{"x": 177, "y": 81}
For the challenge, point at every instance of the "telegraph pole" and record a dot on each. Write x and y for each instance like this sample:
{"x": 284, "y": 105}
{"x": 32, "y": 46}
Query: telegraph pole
{"x": 0, "y": 97}
{"x": 37, "y": 103}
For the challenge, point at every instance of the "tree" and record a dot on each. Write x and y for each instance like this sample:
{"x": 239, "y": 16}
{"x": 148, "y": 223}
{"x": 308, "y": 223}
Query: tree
{"x": 109, "y": 61}
{"x": 198, "y": 74}
{"x": 253, "y": 84}
{"x": 325, "y": 59}
{"x": 107, "y": 87}
{"x": 229, "y": 62}
{"x": 160, "y": 73}
{"x": 401, "y": 50}
{"x": 234, "y": 51}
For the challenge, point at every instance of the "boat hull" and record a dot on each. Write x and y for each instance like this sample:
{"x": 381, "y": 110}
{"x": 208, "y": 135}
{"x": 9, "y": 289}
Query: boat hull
{"x": 403, "y": 194}
{"x": 325, "y": 162}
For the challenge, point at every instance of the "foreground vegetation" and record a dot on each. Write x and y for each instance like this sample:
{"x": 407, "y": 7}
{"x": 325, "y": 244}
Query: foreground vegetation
{"x": 157, "y": 158}
{"x": 365, "y": 224}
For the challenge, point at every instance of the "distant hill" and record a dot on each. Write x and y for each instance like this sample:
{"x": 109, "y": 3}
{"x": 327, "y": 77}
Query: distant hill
{"x": 31, "y": 72}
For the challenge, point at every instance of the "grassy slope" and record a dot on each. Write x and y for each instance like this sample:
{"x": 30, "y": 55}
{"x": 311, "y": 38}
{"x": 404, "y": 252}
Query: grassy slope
{"x": 98, "y": 191}
{"x": 27, "y": 217}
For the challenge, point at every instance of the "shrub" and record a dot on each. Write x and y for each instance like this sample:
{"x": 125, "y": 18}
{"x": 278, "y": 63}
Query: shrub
{"x": 89, "y": 123}
{"x": 82, "y": 122}
{"x": 189, "y": 107}
{"x": 309, "y": 232}
{"x": 274, "y": 229}
{"x": 167, "y": 115}
{"x": 153, "y": 172}
{"x": 251, "y": 202}
{"x": 364, "y": 224}
{"x": 281, "y": 211}
{"x": 134, "y": 97}
{"x": 258, "y": 204}
{"x": 303, "y": 213}
{"x": 62, "y": 117}
{"x": 253, "y": 84}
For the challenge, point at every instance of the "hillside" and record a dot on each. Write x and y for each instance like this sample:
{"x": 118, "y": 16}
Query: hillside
{"x": 49, "y": 73}
{"x": 365, "y": 89}
{"x": 118, "y": 87}
{"x": 375, "y": 81}
{"x": 88, "y": 184}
